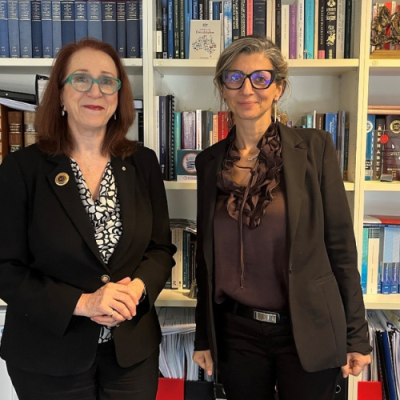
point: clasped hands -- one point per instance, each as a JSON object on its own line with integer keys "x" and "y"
{"x": 113, "y": 303}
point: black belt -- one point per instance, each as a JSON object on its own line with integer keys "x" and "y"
{"x": 270, "y": 317}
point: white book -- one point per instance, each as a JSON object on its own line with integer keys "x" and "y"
{"x": 300, "y": 29}
{"x": 373, "y": 260}
{"x": 268, "y": 21}
{"x": 176, "y": 273}
{"x": 273, "y": 21}
{"x": 227, "y": 22}
{"x": 340, "y": 20}
{"x": 199, "y": 130}
{"x": 205, "y": 39}
{"x": 285, "y": 31}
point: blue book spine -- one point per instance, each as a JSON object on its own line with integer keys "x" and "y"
{"x": 216, "y": 10}
{"x": 364, "y": 260}
{"x": 227, "y": 26}
{"x": 170, "y": 7}
{"x": 109, "y": 22}
{"x": 13, "y": 28}
{"x": 4, "y": 45}
{"x": 25, "y": 28}
{"x": 56, "y": 19}
{"x": 67, "y": 22}
{"x": 369, "y": 151}
{"x": 37, "y": 45}
{"x": 331, "y": 126}
{"x": 47, "y": 29}
{"x": 309, "y": 29}
{"x": 141, "y": 28}
{"x": 81, "y": 20}
{"x": 94, "y": 19}
{"x": 132, "y": 29}
{"x": 195, "y": 9}
{"x": 121, "y": 28}
{"x": 188, "y": 16}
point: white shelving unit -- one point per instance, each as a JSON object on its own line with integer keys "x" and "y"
{"x": 324, "y": 85}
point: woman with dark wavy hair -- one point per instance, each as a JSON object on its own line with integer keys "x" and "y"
{"x": 279, "y": 296}
{"x": 85, "y": 242}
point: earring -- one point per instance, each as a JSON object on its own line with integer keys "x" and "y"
{"x": 63, "y": 112}
{"x": 115, "y": 116}
{"x": 275, "y": 105}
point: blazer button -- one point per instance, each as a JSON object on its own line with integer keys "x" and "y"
{"x": 105, "y": 278}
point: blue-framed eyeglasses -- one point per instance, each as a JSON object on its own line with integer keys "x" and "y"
{"x": 259, "y": 79}
{"x": 84, "y": 82}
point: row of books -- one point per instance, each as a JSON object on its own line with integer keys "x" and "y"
{"x": 39, "y": 28}
{"x": 382, "y": 159}
{"x": 380, "y": 265}
{"x": 306, "y": 29}
{"x": 384, "y": 336}
{"x": 17, "y": 130}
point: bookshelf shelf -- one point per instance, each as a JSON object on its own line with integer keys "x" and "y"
{"x": 174, "y": 298}
{"x": 382, "y": 301}
{"x": 174, "y": 185}
{"x": 384, "y": 67}
{"x": 382, "y": 186}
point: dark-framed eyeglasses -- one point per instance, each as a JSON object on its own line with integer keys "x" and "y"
{"x": 260, "y": 79}
{"x": 84, "y": 82}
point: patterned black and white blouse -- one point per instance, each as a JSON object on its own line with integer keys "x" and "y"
{"x": 104, "y": 214}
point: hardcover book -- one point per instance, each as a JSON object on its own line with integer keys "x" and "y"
{"x": 13, "y": 28}
{"x": 56, "y": 26}
{"x": 95, "y": 19}
{"x": 4, "y": 45}
{"x": 25, "y": 28}
{"x": 81, "y": 22}
{"x": 205, "y": 39}
{"x": 109, "y": 22}
{"x": 330, "y": 29}
{"x": 37, "y": 45}
{"x": 391, "y": 147}
{"x": 47, "y": 29}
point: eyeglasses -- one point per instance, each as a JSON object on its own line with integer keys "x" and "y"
{"x": 260, "y": 79}
{"x": 84, "y": 82}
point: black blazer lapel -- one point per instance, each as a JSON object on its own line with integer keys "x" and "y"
{"x": 68, "y": 196}
{"x": 125, "y": 176}
{"x": 294, "y": 156}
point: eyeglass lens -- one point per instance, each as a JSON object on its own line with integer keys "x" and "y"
{"x": 258, "y": 79}
{"x": 83, "y": 83}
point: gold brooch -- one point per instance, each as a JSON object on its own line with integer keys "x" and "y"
{"x": 62, "y": 179}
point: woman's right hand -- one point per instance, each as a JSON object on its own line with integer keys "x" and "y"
{"x": 109, "y": 305}
{"x": 204, "y": 360}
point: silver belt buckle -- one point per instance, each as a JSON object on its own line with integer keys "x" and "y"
{"x": 265, "y": 317}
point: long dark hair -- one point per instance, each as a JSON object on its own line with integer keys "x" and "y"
{"x": 54, "y": 137}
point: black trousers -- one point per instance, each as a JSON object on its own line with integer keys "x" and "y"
{"x": 105, "y": 380}
{"x": 255, "y": 359}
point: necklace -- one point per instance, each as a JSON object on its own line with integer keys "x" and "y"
{"x": 252, "y": 158}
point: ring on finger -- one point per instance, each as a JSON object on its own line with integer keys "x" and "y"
{"x": 111, "y": 313}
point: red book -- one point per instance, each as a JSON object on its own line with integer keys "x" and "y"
{"x": 369, "y": 391}
{"x": 222, "y": 125}
{"x": 170, "y": 389}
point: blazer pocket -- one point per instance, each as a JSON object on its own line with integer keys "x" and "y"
{"x": 324, "y": 278}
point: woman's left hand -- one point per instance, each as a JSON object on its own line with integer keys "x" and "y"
{"x": 355, "y": 364}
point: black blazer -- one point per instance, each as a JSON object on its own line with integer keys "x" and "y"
{"x": 49, "y": 257}
{"x": 325, "y": 297}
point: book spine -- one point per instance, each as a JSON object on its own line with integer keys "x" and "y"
{"x": 47, "y": 29}
{"x": 278, "y": 24}
{"x": 259, "y": 17}
{"x": 67, "y": 22}
{"x": 249, "y": 17}
{"x": 81, "y": 21}
{"x": 268, "y": 20}
{"x": 309, "y": 29}
{"x": 121, "y": 28}
{"x": 201, "y": 9}
{"x": 4, "y": 45}
{"x": 177, "y": 138}
{"x": 56, "y": 25}
{"x": 171, "y": 136}
{"x": 215, "y": 10}
{"x": 13, "y": 28}
{"x": 195, "y": 6}
{"x": 188, "y": 18}
{"x": 235, "y": 20}
{"x": 316, "y": 3}
{"x": 330, "y": 29}
{"x": 170, "y": 34}
{"x": 176, "y": 28}
{"x": 15, "y": 140}
{"x": 37, "y": 43}
{"x": 293, "y": 31}
{"x": 227, "y": 24}
{"x": 369, "y": 147}
{"x": 321, "y": 29}
{"x": 164, "y": 14}
{"x": 331, "y": 126}
{"x": 364, "y": 261}
{"x": 199, "y": 132}
{"x": 158, "y": 28}
{"x": 285, "y": 31}
{"x": 162, "y": 133}
{"x": 347, "y": 29}
{"x": 25, "y": 28}
{"x": 133, "y": 29}
{"x": 373, "y": 260}
{"x": 141, "y": 28}
{"x": 109, "y": 22}
{"x": 242, "y": 18}
{"x": 300, "y": 29}
{"x": 377, "y": 158}
{"x": 391, "y": 149}
{"x": 95, "y": 19}
{"x": 188, "y": 124}
{"x": 341, "y": 138}
{"x": 340, "y": 30}
{"x": 182, "y": 29}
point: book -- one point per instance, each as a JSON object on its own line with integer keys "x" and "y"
{"x": 4, "y": 45}
{"x": 278, "y": 23}
{"x": 132, "y": 29}
{"x": 185, "y": 165}
{"x": 121, "y": 28}
{"x": 340, "y": 29}
{"x": 56, "y": 26}
{"x": 309, "y": 29}
{"x": 109, "y": 22}
{"x": 47, "y": 29}
{"x": 205, "y": 39}
{"x": 15, "y": 138}
{"x": 391, "y": 148}
{"x": 293, "y": 31}
{"x": 177, "y": 138}
{"x": 164, "y": 12}
{"x": 158, "y": 32}
{"x": 369, "y": 149}
{"x": 330, "y": 29}
{"x": 285, "y": 31}
{"x": 170, "y": 28}
{"x": 188, "y": 130}
{"x": 30, "y": 134}
{"x": 67, "y": 22}
{"x": 25, "y": 28}
{"x": 81, "y": 19}
{"x": 171, "y": 137}
{"x": 300, "y": 29}
{"x": 188, "y": 15}
{"x": 259, "y": 17}
{"x": 378, "y": 147}
{"x": 331, "y": 120}
{"x": 348, "y": 37}
{"x": 3, "y": 131}
{"x": 95, "y": 19}
{"x": 235, "y": 20}
{"x": 36, "y": 13}
{"x": 227, "y": 22}
{"x": 13, "y": 28}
